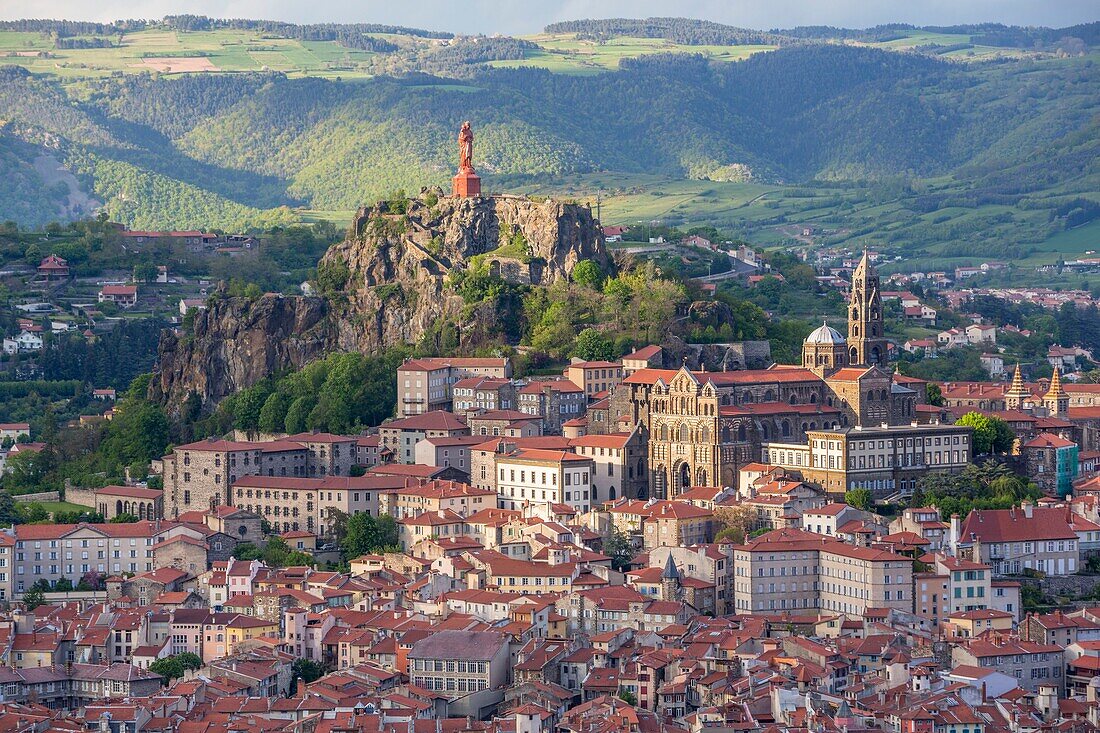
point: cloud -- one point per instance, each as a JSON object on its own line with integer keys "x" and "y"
{"x": 529, "y": 16}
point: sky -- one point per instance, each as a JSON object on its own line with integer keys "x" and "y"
{"x": 519, "y": 17}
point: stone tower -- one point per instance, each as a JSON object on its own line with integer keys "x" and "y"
{"x": 1056, "y": 400}
{"x": 1017, "y": 394}
{"x": 866, "y": 344}
{"x": 670, "y": 580}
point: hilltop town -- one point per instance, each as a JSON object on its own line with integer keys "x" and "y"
{"x": 630, "y": 543}
{"x": 755, "y": 389}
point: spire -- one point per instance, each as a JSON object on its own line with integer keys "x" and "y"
{"x": 1017, "y": 388}
{"x": 670, "y": 572}
{"x": 1055, "y": 392}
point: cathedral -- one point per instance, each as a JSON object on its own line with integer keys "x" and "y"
{"x": 702, "y": 427}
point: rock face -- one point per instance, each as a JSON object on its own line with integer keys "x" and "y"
{"x": 237, "y": 342}
{"x": 387, "y": 283}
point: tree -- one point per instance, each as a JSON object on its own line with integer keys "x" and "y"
{"x": 91, "y": 580}
{"x": 592, "y": 345}
{"x": 991, "y": 434}
{"x": 124, "y": 518}
{"x": 628, "y": 697}
{"x": 35, "y": 513}
{"x": 859, "y": 498}
{"x": 618, "y": 546}
{"x": 738, "y": 521}
{"x": 935, "y": 394}
{"x": 145, "y": 272}
{"x": 366, "y": 534}
{"x": 588, "y": 274}
{"x": 247, "y": 551}
{"x": 190, "y": 660}
{"x": 307, "y": 670}
{"x": 169, "y": 667}
{"x": 9, "y": 513}
{"x": 34, "y": 598}
{"x": 273, "y": 414}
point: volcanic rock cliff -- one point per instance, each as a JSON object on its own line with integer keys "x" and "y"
{"x": 386, "y": 283}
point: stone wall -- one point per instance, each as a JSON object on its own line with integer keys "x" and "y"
{"x": 41, "y": 496}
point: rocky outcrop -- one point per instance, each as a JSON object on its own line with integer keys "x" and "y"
{"x": 236, "y": 342}
{"x": 387, "y": 283}
{"x": 398, "y": 263}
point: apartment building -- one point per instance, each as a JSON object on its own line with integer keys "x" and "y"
{"x": 619, "y": 464}
{"x": 309, "y": 504}
{"x": 328, "y": 454}
{"x": 425, "y": 385}
{"x": 1031, "y": 663}
{"x": 413, "y": 499}
{"x": 460, "y": 664}
{"x": 447, "y": 452}
{"x": 54, "y": 551}
{"x": 538, "y": 478}
{"x": 483, "y": 457}
{"x": 556, "y": 401}
{"x": 884, "y": 459}
{"x": 793, "y": 569}
{"x": 483, "y": 393}
{"x": 401, "y": 436}
{"x": 924, "y": 522}
{"x": 595, "y": 377}
{"x": 1014, "y": 540}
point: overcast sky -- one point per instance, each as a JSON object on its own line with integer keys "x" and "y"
{"x": 529, "y": 16}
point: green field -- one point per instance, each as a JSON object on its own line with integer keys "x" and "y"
{"x": 564, "y": 53}
{"x": 917, "y": 38}
{"x": 62, "y": 506}
{"x": 186, "y": 52}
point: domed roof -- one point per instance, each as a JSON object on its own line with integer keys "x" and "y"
{"x": 825, "y": 335}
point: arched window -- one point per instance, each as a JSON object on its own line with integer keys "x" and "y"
{"x": 769, "y": 396}
{"x": 741, "y": 432}
{"x": 683, "y": 433}
{"x": 813, "y": 399}
{"x": 704, "y": 434}
{"x": 785, "y": 429}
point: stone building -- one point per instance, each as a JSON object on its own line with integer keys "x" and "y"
{"x": 310, "y": 504}
{"x": 198, "y": 476}
{"x": 111, "y": 501}
{"x": 556, "y": 401}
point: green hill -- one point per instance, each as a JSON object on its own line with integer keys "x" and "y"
{"x": 235, "y": 151}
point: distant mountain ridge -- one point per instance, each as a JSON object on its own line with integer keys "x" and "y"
{"x": 234, "y": 151}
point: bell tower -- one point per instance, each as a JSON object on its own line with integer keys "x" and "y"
{"x": 867, "y": 345}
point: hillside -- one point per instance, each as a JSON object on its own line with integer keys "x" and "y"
{"x": 431, "y": 270}
{"x": 237, "y": 151}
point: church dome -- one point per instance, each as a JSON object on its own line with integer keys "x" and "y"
{"x": 825, "y": 335}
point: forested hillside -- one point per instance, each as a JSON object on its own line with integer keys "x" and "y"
{"x": 234, "y": 151}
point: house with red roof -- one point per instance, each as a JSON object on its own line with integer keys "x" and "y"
{"x": 53, "y": 268}
{"x": 1023, "y": 538}
{"x": 124, "y": 296}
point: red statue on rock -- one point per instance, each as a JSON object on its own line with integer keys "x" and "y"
{"x": 467, "y": 183}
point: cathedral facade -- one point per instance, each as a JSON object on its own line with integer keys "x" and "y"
{"x": 701, "y": 427}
